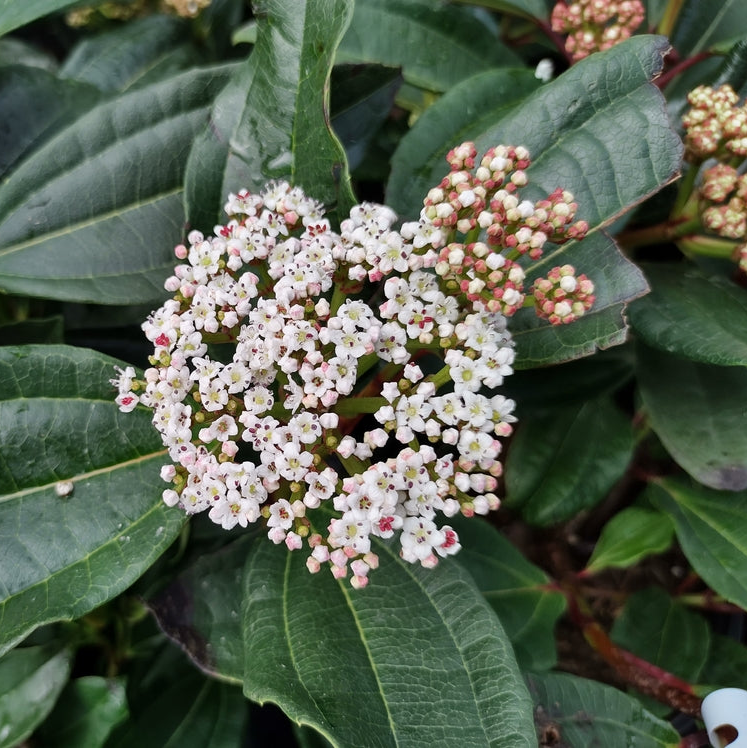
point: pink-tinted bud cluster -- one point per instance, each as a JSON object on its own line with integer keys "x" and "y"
{"x": 563, "y": 296}
{"x": 724, "y": 212}
{"x": 716, "y": 128}
{"x": 716, "y": 125}
{"x": 477, "y": 197}
{"x": 595, "y": 25}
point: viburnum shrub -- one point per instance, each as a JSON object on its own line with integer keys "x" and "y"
{"x": 283, "y": 335}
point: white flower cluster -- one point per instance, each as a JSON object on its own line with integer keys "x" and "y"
{"x": 288, "y": 373}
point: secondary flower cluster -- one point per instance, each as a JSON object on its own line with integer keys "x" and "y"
{"x": 340, "y": 386}
{"x": 595, "y": 25}
{"x": 716, "y": 127}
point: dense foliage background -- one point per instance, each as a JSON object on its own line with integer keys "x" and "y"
{"x": 603, "y": 600}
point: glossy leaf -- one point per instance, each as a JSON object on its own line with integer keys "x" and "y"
{"x": 707, "y": 438}
{"x": 178, "y": 707}
{"x": 699, "y": 28}
{"x": 272, "y": 119}
{"x": 517, "y": 590}
{"x": 599, "y": 130}
{"x": 42, "y": 104}
{"x": 62, "y": 556}
{"x": 663, "y": 632}
{"x": 726, "y": 664}
{"x": 132, "y": 54}
{"x": 86, "y": 712}
{"x": 733, "y": 69}
{"x": 201, "y": 610}
{"x": 567, "y": 460}
{"x": 306, "y": 638}
{"x": 581, "y": 713}
{"x": 711, "y": 528}
{"x": 93, "y": 215}
{"x": 31, "y": 679}
{"x": 632, "y": 534}
{"x": 14, "y": 14}
{"x": 692, "y": 315}
{"x": 301, "y": 632}
{"x": 435, "y": 45}
{"x": 361, "y": 101}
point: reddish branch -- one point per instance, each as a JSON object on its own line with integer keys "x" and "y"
{"x": 664, "y": 79}
{"x": 642, "y": 675}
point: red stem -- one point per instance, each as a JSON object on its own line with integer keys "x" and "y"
{"x": 675, "y": 70}
{"x": 644, "y": 676}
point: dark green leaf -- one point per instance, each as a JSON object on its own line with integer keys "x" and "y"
{"x": 567, "y": 460}
{"x": 62, "y": 556}
{"x": 31, "y": 678}
{"x": 727, "y": 663}
{"x": 692, "y": 315}
{"x": 410, "y": 643}
{"x": 518, "y": 591}
{"x": 93, "y": 214}
{"x": 272, "y": 119}
{"x": 201, "y": 610}
{"x": 697, "y": 410}
{"x": 733, "y": 69}
{"x": 14, "y": 14}
{"x": 87, "y": 711}
{"x": 436, "y": 45}
{"x": 42, "y": 104}
{"x": 632, "y": 534}
{"x": 181, "y": 708}
{"x": 600, "y": 130}
{"x": 711, "y": 528}
{"x": 362, "y": 97}
{"x": 142, "y": 50}
{"x": 701, "y": 27}
{"x": 586, "y": 713}
{"x": 663, "y": 632}
{"x": 428, "y": 659}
